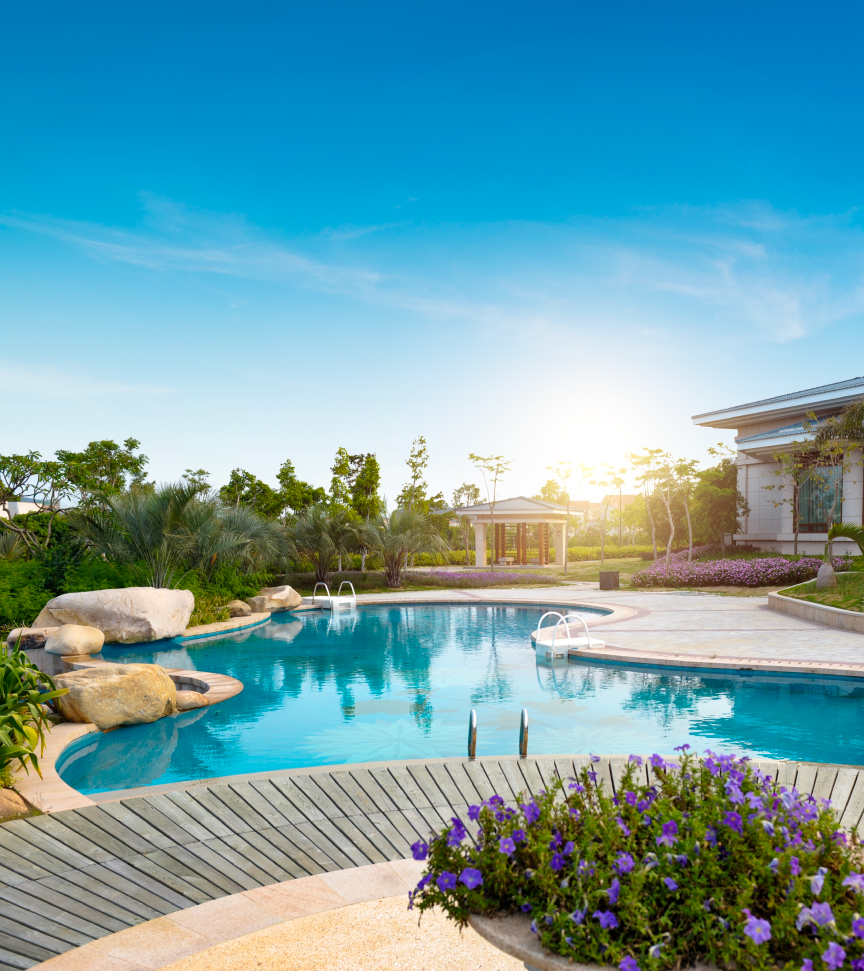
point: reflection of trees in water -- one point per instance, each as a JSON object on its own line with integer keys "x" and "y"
{"x": 666, "y": 698}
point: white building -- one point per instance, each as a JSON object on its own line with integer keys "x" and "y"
{"x": 771, "y": 425}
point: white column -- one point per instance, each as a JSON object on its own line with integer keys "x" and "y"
{"x": 480, "y": 545}
{"x": 559, "y": 546}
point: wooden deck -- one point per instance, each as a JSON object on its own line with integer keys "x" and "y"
{"x": 73, "y": 876}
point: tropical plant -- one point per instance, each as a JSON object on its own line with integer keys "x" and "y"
{"x": 24, "y": 689}
{"x": 492, "y": 468}
{"x": 11, "y": 547}
{"x": 220, "y": 535}
{"x": 708, "y": 861}
{"x": 321, "y": 536}
{"x": 844, "y": 531}
{"x": 400, "y": 535}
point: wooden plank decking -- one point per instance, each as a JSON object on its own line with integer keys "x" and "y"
{"x": 74, "y": 876}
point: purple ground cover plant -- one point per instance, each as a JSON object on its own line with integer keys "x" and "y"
{"x": 765, "y": 571}
{"x": 716, "y": 863}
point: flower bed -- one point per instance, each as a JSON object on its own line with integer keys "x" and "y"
{"x": 480, "y": 578}
{"x": 762, "y": 572}
{"x": 711, "y": 862}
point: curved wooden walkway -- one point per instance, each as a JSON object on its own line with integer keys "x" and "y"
{"x": 74, "y": 876}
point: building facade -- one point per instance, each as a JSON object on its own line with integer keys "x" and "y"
{"x": 770, "y": 426}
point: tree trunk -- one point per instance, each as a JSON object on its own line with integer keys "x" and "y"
{"x": 566, "y": 524}
{"x": 363, "y": 561}
{"x": 653, "y": 529}
{"x": 689, "y": 531}
{"x": 671, "y": 532}
{"x": 603, "y": 536}
{"x": 795, "y": 517}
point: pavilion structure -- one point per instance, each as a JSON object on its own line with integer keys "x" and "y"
{"x": 518, "y": 525}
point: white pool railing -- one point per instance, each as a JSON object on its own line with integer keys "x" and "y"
{"x": 571, "y": 644}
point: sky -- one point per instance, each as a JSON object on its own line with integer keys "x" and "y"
{"x": 554, "y": 232}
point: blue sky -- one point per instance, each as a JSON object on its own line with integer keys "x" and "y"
{"x": 248, "y": 232}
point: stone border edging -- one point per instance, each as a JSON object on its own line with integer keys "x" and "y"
{"x": 223, "y": 627}
{"x": 157, "y": 943}
{"x": 819, "y": 613}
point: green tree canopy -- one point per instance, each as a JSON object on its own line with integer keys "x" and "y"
{"x": 104, "y": 467}
{"x": 717, "y": 503}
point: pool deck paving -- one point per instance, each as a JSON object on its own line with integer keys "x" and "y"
{"x": 137, "y": 882}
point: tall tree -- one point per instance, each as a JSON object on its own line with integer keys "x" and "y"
{"x": 647, "y": 468}
{"x": 364, "y": 495}
{"x": 29, "y": 478}
{"x": 297, "y": 494}
{"x": 493, "y": 468}
{"x": 612, "y": 478}
{"x": 245, "y": 489}
{"x": 104, "y": 467}
{"x": 414, "y": 492}
{"x": 466, "y": 495}
{"x": 569, "y": 482}
{"x": 717, "y": 503}
{"x": 684, "y": 471}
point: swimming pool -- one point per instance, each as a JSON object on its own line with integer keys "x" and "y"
{"x": 398, "y": 682}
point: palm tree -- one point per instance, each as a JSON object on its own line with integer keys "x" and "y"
{"x": 400, "y": 535}
{"x": 163, "y": 533}
{"x": 321, "y": 535}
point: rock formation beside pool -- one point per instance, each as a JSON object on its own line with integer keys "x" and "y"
{"x": 109, "y": 695}
{"x": 238, "y": 609}
{"x": 126, "y": 616}
{"x": 29, "y": 638}
{"x": 189, "y": 700}
{"x": 74, "y": 640}
{"x": 275, "y": 599}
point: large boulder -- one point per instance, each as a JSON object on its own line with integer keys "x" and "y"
{"x": 29, "y": 638}
{"x": 73, "y": 639}
{"x": 190, "y": 700}
{"x": 125, "y": 616}
{"x": 275, "y": 599}
{"x": 109, "y": 695}
{"x": 236, "y": 608}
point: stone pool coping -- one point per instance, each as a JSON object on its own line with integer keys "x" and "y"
{"x": 158, "y": 943}
{"x": 221, "y": 627}
{"x": 851, "y": 620}
{"x": 50, "y": 794}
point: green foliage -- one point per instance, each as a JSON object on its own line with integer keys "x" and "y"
{"x": 712, "y": 862}
{"x": 553, "y": 491}
{"x": 404, "y": 533}
{"x": 24, "y": 689}
{"x": 717, "y": 503}
{"x": 244, "y": 489}
{"x": 297, "y": 495}
{"x": 103, "y": 467}
{"x": 22, "y": 593}
{"x": 847, "y": 595}
{"x": 320, "y": 535}
{"x": 846, "y": 530}
{"x": 44, "y": 483}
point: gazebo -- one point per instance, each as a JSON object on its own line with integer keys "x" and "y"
{"x": 518, "y": 524}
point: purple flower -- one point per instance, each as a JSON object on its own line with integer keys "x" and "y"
{"x": 519, "y": 836}
{"x": 526, "y": 908}
{"x": 578, "y": 916}
{"x": 734, "y": 822}
{"x": 557, "y": 861}
{"x": 625, "y": 829}
{"x": 420, "y": 850}
{"x": 669, "y": 834}
{"x": 821, "y": 914}
{"x": 834, "y": 956}
{"x": 635, "y": 758}
{"x": 670, "y": 883}
{"x": 624, "y": 863}
{"x": 817, "y": 882}
{"x": 630, "y": 798}
{"x": 474, "y": 813}
{"x": 568, "y": 847}
{"x": 807, "y": 965}
{"x": 855, "y": 881}
{"x": 613, "y": 891}
{"x": 657, "y": 761}
{"x": 470, "y": 877}
{"x": 457, "y": 832}
{"x": 858, "y": 927}
{"x": 606, "y": 917}
{"x": 629, "y": 964}
{"x": 654, "y": 951}
{"x": 759, "y": 931}
{"x": 794, "y": 866}
{"x": 446, "y": 881}
{"x": 506, "y": 846}
{"x": 532, "y": 812}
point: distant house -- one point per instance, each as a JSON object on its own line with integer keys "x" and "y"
{"x": 768, "y": 426}
{"x": 16, "y": 508}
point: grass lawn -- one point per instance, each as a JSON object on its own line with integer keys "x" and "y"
{"x": 847, "y": 595}
{"x": 374, "y": 582}
{"x": 590, "y": 569}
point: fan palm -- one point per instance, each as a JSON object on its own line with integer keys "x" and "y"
{"x": 321, "y": 536}
{"x": 221, "y": 534}
{"x": 400, "y": 535}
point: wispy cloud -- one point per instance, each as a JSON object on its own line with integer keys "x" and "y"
{"x": 49, "y": 382}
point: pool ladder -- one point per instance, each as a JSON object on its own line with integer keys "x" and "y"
{"x": 523, "y": 735}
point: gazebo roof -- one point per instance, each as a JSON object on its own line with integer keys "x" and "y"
{"x": 520, "y": 505}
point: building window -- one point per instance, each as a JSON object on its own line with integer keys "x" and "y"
{"x": 817, "y": 499}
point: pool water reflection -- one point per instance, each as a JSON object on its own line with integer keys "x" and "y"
{"x": 388, "y": 683}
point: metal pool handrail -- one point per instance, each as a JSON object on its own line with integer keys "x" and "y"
{"x": 562, "y": 619}
{"x": 321, "y": 583}
{"x": 350, "y": 584}
{"x": 472, "y": 735}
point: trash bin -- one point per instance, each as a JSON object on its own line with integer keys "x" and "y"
{"x": 609, "y": 580}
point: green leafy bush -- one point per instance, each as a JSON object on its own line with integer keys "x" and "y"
{"x": 24, "y": 689}
{"x": 709, "y": 862}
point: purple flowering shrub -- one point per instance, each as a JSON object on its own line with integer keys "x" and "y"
{"x": 479, "y": 578}
{"x": 765, "y": 571}
{"x": 709, "y": 862}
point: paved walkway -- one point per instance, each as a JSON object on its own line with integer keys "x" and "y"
{"x": 73, "y": 877}
{"x": 684, "y": 623}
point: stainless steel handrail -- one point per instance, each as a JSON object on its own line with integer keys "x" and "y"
{"x": 472, "y": 735}
{"x": 523, "y": 734}
{"x": 321, "y": 583}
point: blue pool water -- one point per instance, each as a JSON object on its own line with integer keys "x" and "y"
{"x": 399, "y": 682}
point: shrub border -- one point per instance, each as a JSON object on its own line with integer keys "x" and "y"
{"x": 850, "y": 620}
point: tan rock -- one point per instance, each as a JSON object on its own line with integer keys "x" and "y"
{"x": 285, "y": 595}
{"x": 109, "y": 695}
{"x": 189, "y": 700}
{"x": 238, "y": 609}
{"x": 12, "y": 806}
{"x": 29, "y": 638}
{"x": 126, "y": 616}
{"x": 73, "y": 639}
